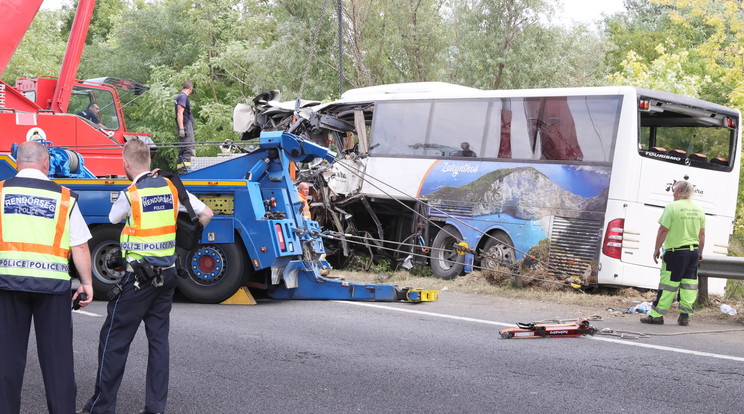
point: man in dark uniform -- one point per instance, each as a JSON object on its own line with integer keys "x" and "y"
{"x": 682, "y": 232}
{"x": 40, "y": 224}
{"x": 148, "y": 243}
{"x": 91, "y": 114}
{"x": 185, "y": 123}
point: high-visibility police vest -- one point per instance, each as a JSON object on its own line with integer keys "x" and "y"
{"x": 305, "y": 207}
{"x": 150, "y": 231}
{"x": 35, "y": 235}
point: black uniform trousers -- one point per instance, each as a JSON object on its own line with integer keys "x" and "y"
{"x": 52, "y": 315}
{"x": 149, "y": 304}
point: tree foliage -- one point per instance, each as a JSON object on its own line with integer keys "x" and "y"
{"x": 665, "y": 73}
{"x": 41, "y": 51}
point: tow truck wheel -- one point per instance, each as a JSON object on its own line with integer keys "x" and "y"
{"x": 215, "y": 272}
{"x": 104, "y": 245}
{"x": 446, "y": 263}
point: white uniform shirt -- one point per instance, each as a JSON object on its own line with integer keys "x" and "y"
{"x": 121, "y": 208}
{"x": 79, "y": 232}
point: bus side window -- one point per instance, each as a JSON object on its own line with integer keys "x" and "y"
{"x": 505, "y": 142}
{"x": 551, "y": 121}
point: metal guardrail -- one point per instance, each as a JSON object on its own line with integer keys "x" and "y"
{"x": 722, "y": 267}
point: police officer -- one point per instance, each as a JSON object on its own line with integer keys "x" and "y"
{"x": 682, "y": 232}
{"x": 150, "y": 206}
{"x": 40, "y": 225}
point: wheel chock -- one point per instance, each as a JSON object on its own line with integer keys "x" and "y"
{"x": 418, "y": 295}
{"x": 241, "y": 297}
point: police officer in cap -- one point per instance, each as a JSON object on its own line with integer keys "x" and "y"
{"x": 40, "y": 224}
{"x": 150, "y": 206}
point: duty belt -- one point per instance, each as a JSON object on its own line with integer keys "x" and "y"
{"x": 686, "y": 247}
{"x": 130, "y": 269}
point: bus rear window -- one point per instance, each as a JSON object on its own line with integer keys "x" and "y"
{"x": 690, "y": 136}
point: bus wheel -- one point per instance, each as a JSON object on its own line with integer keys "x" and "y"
{"x": 215, "y": 272}
{"x": 499, "y": 252}
{"x": 445, "y": 262}
{"x": 103, "y": 246}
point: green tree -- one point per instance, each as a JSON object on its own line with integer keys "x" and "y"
{"x": 157, "y": 34}
{"x": 508, "y": 44}
{"x": 665, "y": 73}
{"x": 722, "y": 49}
{"x": 41, "y": 50}
{"x": 106, "y": 14}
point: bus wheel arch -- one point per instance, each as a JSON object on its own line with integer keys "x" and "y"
{"x": 445, "y": 262}
{"x": 498, "y": 251}
{"x": 497, "y": 245}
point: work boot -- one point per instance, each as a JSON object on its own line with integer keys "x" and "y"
{"x": 684, "y": 319}
{"x": 653, "y": 321}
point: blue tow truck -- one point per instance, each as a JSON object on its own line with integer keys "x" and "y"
{"x": 257, "y": 237}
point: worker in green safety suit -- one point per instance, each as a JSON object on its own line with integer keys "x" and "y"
{"x": 682, "y": 232}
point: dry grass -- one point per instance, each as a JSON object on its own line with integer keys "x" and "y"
{"x": 601, "y": 300}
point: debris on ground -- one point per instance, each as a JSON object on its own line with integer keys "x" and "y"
{"x": 643, "y": 307}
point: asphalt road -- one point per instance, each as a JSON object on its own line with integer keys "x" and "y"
{"x": 441, "y": 357}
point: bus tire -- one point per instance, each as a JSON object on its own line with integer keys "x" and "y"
{"x": 446, "y": 263}
{"x": 215, "y": 272}
{"x": 499, "y": 250}
{"x": 103, "y": 245}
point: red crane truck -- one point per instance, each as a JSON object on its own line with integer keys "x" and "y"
{"x": 45, "y": 107}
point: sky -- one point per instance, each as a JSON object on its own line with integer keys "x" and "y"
{"x": 584, "y": 11}
{"x": 51, "y": 4}
{"x": 588, "y": 11}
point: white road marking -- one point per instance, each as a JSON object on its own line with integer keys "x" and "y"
{"x": 82, "y": 312}
{"x": 666, "y": 348}
{"x": 510, "y": 325}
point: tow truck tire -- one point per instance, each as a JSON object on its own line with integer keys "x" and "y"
{"x": 215, "y": 272}
{"x": 103, "y": 245}
{"x": 446, "y": 263}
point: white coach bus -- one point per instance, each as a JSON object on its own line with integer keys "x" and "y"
{"x": 583, "y": 172}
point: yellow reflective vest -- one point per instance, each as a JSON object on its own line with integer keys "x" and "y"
{"x": 151, "y": 227}
{"x": 305, "y": 206}
{"x": 35, "y": 235}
